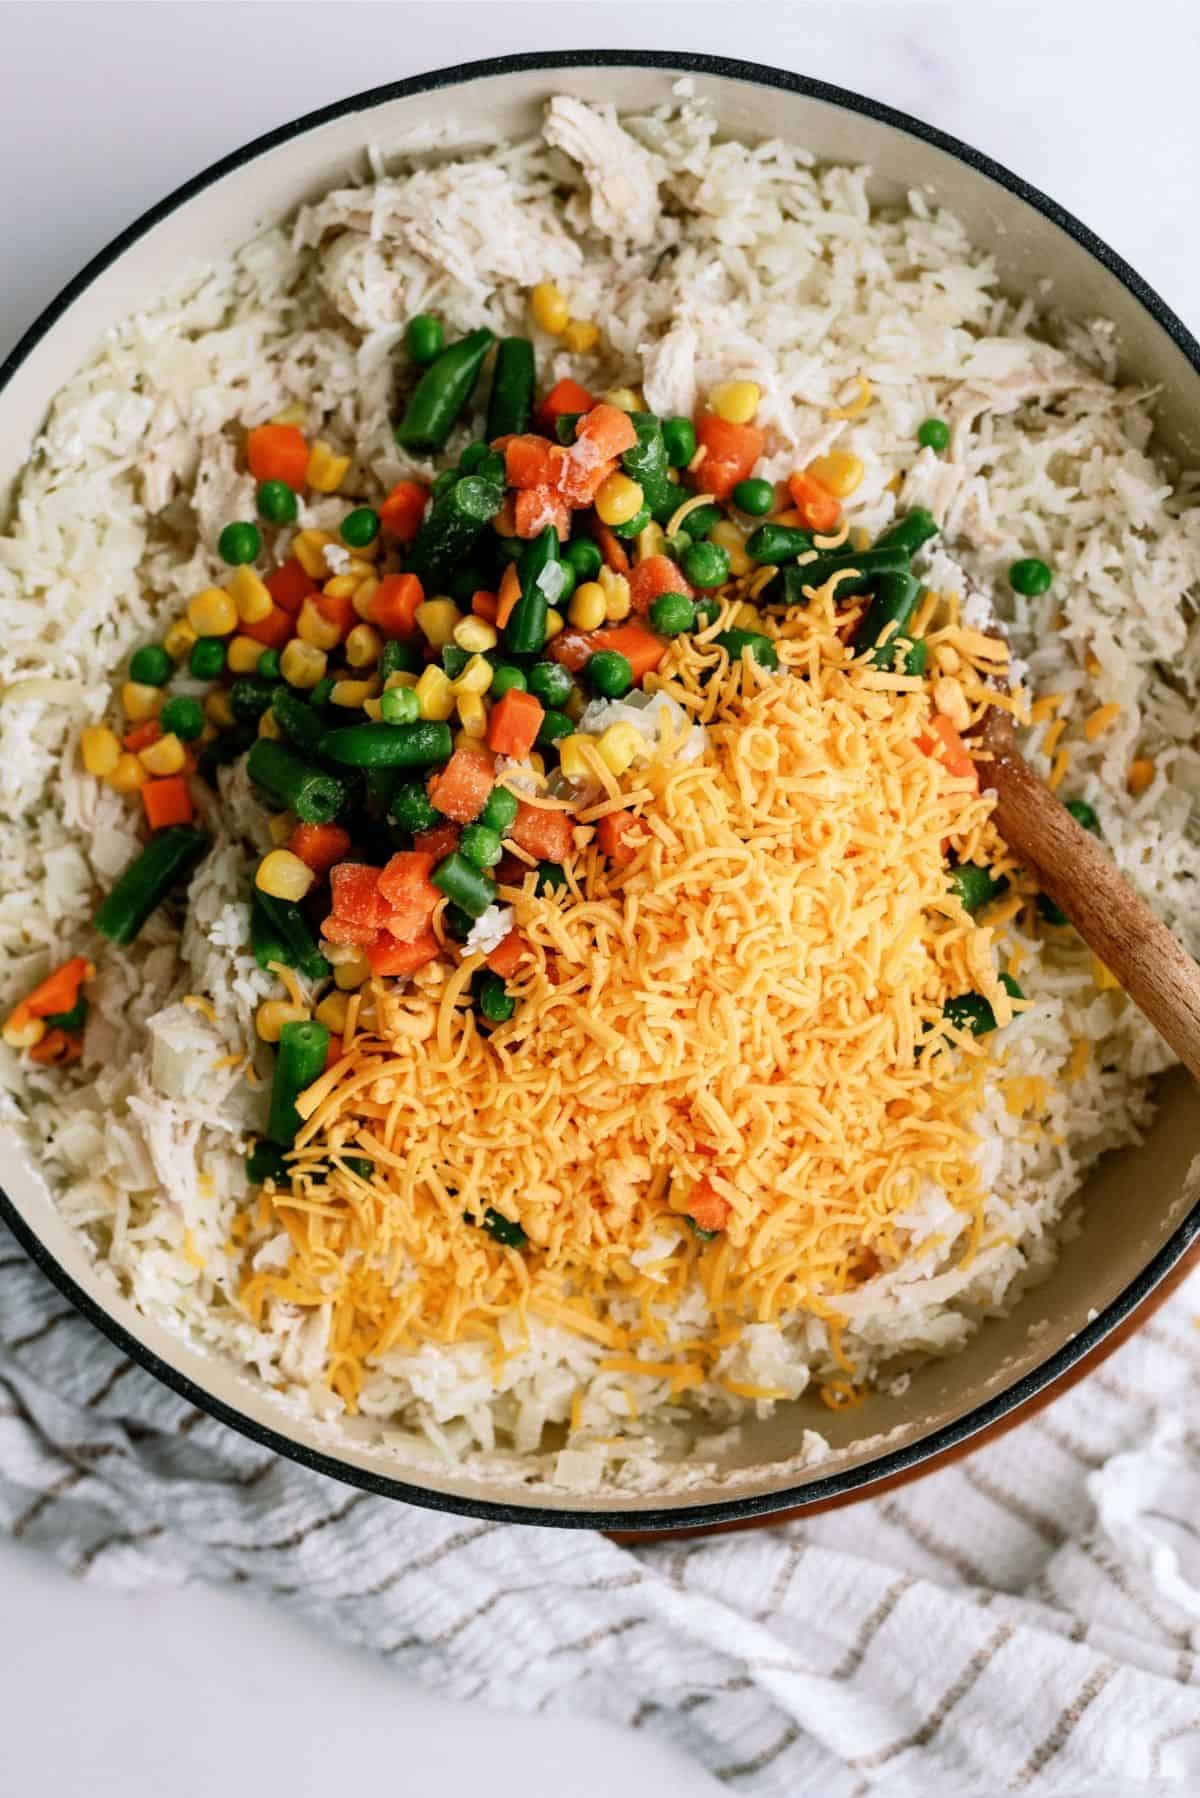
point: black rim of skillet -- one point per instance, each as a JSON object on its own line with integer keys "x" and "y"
{"x": 814, "y": 1491}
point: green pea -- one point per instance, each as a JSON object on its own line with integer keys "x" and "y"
{"x": 277, "y": 503}
{"x": 497, "y": 1005}
{"x": 411, "y": 807}
{"x": 583, "y": 557}
{"x": 506, "y": 677}
{"x": 320, "y": 694}
{"x": 448, "y": 478}
{"x": 267, "y": 664}
{"x": 550, "y": 877}
{"x": 609, "y": 673}
{"x": 934, "y": 434}
{"x": 707, "y": 612}
{"x": 1084, "y": 814}
{"x": 399, "y": 706}
{"x": 423, "y": 338}
{"x": 207, "y": 658}
{"x": 182, "y": 717}
{"x": 238, "y": 543}
{"x": 151, "y": 665}
{"x": 633, "y": 527}
{"x": 701, "y": 521}
{"x": 706, "y": 565}
{"x": 360, "y": 527}
{"x": 550, "y": 683}
{"x": 1030, "y": 576}
{"x": 501, "y": 809}
{"x": 754, "y": 497}
{"x": 553, "y": 726}
{"x": 481, "y": 845}
{"x": 672, "y": 613}
{"x": 679, "y": 435}
{"x": 568, "y": 580}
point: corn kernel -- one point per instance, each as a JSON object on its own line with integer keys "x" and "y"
{"x": 364, "y": 593}
{"x": 101, "y": 749}
{"x": 350, "y": 971}
{"x": 401, "y": 678}
{"x": 294, "y": 414}
{"x": 437, "y": 618}
{"x": 573, "y": 705}
{"x": 302, "y": 664}
{"x": 1104, "y": 978}
{"x": 326, "y": 469}
{"x": 212, "y": 613}
{"x": 373, "y": 710}
{"x": 746, "y": 618}
{"x": 308, "y": 547}
{"x": 473, "y": 713}
{"x": 839, "y": 473}
{"x": 250, "y": 595}
{"x": 735, "y": 401}
{"x": 364, "y": 646}
{"x": 949, "y": 698}
{"x": 476, "y": 677}
{"x": 269, "y": 726}
{"x": 128, "y": 775}
{"x": 273, "y": 1014}
{"x": 354, "y": 692}
{"x": 313, "y": 628}
{"x": 476, "y": 635}
{"x": 341, "y": 586}
{"x": 549, "y": 307}
{"x": 462, "y": 739}
{"x": 282, "y": 875}
{"x": 619, "y": 746}
{"x": 650, "y": 542}
{"x": 618, "y": 500}
{"x": 332, "y": 1012}
{"x": 139, "y": 701}
{"x": 536, "y": 764}
{"x": 179, "y": 640}
{"x": 1141, "y": 773}
{"x": 280, "y": 826}
{"x": 166, "y": 756}
{"x": 555, "y": 622}
{"x": 217, "y": 708}
{"x": 21, "y": 1031}
{"x": 587, "y": 608}
{"x": 580, "y": 336}
{"x": 733, "y": 543}
{"x": 617, "y": 600}
{"x": 625, "y": 399}
{"x": 435, "y": 697}
{"x": 242, "y": 655}
{"x": 571, "y": 758}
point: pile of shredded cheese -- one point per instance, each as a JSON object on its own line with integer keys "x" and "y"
{"x": 755, "y": 1000}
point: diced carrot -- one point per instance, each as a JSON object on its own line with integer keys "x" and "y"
{"x": 410, "y": 894}
{"x": 439, "y": 842}
{"x": 611, "y": 547}
{"x": 504, "y": 958}
{"x": 530, "y": 461}
{"x": 142, "y": 735}
{"x": 539, "y": 506}
{"x": 510, "y": 593}
{"x": 620, "y": 836}
{"x": 571, "y": 649}
{"x": 707, "y": 1209}
{"x": 460, "y": 790}
{"x": 583, "y": 473}
{"x": 167, "y": 801}
{"x": 655, "y": 576}
{"x": 289, "y": 585}
{"x": 344, "y": 930}
{"x": 273, "y": 631}
{"x": 403, "y": 509}
{"x": 818, "y": 508}
{"x": 548, "y": 835}
{"x": 732, "y": 451}
{"x": 59, "y": 990}
{"x": 334, "y": 1052}
{"x": 356, "y": 895}
{"x": 319, "y": 846}
{"x": 641, "y": 647}
{"x": 505, "y": 522}
{"x": 387, "y": 956}
{"x": 485, "y": 605}
{"x": 277, "y": 453}
{"x": 58, "y": 1049}
{"x": 338, "y": 611}
{"x": 513, "y": 724}
{"x": 502, "y": 443}
{"x": 564, "y": 396}
{"x": 949, "y": 748}
{"x": 394, "y": 604}
{"x": 608, "y": 429}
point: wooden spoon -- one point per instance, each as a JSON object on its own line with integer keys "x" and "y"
{"x": 1071, "y": 866}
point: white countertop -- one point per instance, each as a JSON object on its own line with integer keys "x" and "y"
{"x": 106, "y": 108}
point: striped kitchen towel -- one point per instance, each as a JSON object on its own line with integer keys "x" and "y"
{"x": 1026, "y": 1621}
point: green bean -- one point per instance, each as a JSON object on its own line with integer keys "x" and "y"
{"x": 510, "y": 404}
{"x": 564, "y": 426}
{"x": 379, "y": 745}
{"x": 917, "y": 659}
{"x": 399, "y": 658}
{"x": 525, "y": 632}
{"x": 778, "y": 543}
{"x": 464, "y": 885}
{"x": 909, "y": 532}
{"x": 787, "y": 588}
{"x": 314, "y": 795}
{"x": 279, "y": 931}
{"x": 266, "y": 1162}
{"x": 167, "y": 859}
{"x": 647, "y": 464}
{"x": 297, "y": 720}
{"x": 452, "y": 527}
{"x": 412, "y": 808}
{"x": 303, "y": 1048}
{"x": 971, "y": 1011}
{"x": 503, "y": 1229}
{"x": 760, "y": 647}
{"x": 493, "y": 998}
{"x": 975, "y": 886}
{"x": 1085, "y": 815}
{"x": 442, "y": 392}
{"x": 895, "y": 601}
{"x": 73, "y": 1020}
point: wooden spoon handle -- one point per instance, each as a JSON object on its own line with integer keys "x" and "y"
{"x": 1158, "y": 974}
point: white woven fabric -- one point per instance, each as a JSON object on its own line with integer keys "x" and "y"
{"x": 1025, "y": 1621}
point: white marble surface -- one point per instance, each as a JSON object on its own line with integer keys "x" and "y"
{"x": 106, "y": 108}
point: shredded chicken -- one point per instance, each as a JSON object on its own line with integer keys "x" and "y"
{"x": 623, "y": 177}
{"x": 669, "y": 371}
{"x": 221, "y": 491}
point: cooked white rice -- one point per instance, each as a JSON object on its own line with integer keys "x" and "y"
{"x": 703, "y": 261}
